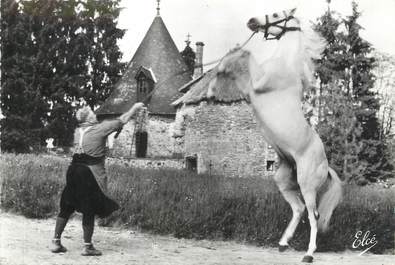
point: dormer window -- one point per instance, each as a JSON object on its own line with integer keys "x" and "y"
{"x": 142, "y": 84}
{"x": 145, "y": 83}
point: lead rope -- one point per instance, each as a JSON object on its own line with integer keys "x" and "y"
{"x": 146, "y": 99}
{"x": 220, "y": 59}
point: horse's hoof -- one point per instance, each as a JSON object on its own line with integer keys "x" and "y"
{"x": 307, "y": 259}
{"x": 282, "y": 248}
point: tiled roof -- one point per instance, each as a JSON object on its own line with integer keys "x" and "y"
{"x": 226, "y": 90}
{"x": 159, "y": 53}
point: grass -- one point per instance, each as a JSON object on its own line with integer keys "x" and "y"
{"x": 199, "y": 206}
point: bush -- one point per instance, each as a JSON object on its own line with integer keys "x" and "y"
{"x": 199, "y": 206}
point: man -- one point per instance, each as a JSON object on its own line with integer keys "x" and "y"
{"x": 86, "y": 178}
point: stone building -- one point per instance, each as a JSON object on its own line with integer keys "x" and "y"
{"x": 154, "y": 75}
{"x": 219, "y": 135}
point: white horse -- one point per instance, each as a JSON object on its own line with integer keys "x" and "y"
{"x": 275, "y": 90}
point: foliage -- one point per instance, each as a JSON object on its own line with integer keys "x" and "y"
{"x": 339, "y": 130}
{"x": 199, "y": 206}
{"x": 347, "y": 105}
{"x": 385, "y": 82}
{"x": 189, "y": 58}
{"x": 56, "y": 55}
{"x": 21, "y": 103}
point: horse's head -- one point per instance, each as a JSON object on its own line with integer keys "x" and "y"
{"x": 275, "y": 24}
{"x": 232, "y": 70}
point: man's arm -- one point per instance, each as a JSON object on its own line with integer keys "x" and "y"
{"x": 130, "y": 113}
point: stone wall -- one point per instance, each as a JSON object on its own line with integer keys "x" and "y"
{"x": 122, "y": 146}
{"x": 226, "y": 140}
{"x": 148, "y": 163}
{"x": 160, "y": 141}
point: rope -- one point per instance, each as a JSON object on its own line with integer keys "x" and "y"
{"x": 220, "y": 59}
{"x": 146, "y": 99}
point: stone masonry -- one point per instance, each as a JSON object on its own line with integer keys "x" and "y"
{"x": 225, "y": 139}
{"x": 160, "y": 142}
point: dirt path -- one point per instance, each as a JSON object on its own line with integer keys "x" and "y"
{"x": 26, "y": 242}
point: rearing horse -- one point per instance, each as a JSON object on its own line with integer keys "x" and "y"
{"x": 275, "y": 90}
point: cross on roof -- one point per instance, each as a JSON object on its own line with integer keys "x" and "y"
{"x": 188, "y": 41}
{"x": 158, "y": 8}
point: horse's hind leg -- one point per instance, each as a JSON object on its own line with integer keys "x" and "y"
{"x": 290, "y": 191}
{"x": 310, "y": 178}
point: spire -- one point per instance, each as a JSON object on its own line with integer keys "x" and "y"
{"x": 158, "y": 8}
{"x": 188, "y": 41}
{"x": 158, "y": 52}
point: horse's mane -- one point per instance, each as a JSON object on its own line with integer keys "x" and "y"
{"x": 310, "y": 47}
{"x": 313, "y": 44}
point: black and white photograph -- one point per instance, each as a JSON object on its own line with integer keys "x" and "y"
{"x": 197, "y": 132}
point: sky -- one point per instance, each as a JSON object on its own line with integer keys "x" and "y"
{"x": 221, "y": 24}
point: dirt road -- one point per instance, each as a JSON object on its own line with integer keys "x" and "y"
{"x": 26, "y": 242}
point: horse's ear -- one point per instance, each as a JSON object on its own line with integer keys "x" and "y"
{"x": 293, "y": 11}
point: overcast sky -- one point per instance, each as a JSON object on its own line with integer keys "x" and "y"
{"x": 221, "y": 24}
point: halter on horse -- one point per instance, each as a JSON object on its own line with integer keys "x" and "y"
{"x": 275, "y": 90}
{"x": 255, "y": 26}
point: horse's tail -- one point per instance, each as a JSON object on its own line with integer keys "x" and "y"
{"x": 329, "y": 200}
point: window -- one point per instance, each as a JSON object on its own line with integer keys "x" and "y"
{"x": 191, "y": 163}
{"x": 145, "y": 83}
{"x": 142, "y": 87}
{"x": 270, "y": 165}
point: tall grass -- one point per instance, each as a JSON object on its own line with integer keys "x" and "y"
{"x": 30, "y": 184}
{"x": 199, "y": 206}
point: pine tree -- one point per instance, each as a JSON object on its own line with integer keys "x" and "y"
{"x": 361, "y": 83}
{"x": 56, "y": 55}
{"x": 189, "y": 57}
{"x": 21, "y": 103}
{"x": 336, "y": 120}
{"x": 347, "y": 105}
{"x": 99, "y": 20}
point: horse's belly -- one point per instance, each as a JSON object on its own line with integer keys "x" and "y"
{"x": 283, "y": 122}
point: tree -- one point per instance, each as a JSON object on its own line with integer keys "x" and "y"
{"x": 56, "y": 55}
{"x": 337, "y": 123}
{"x": 361, "y": 83}
{"x": 99, "y": 20}
{"x": 21, "y": 103}
{"x": 189, "y": 57}
{"x": 347, "y": 105}
{"x": 385, "y": 82}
